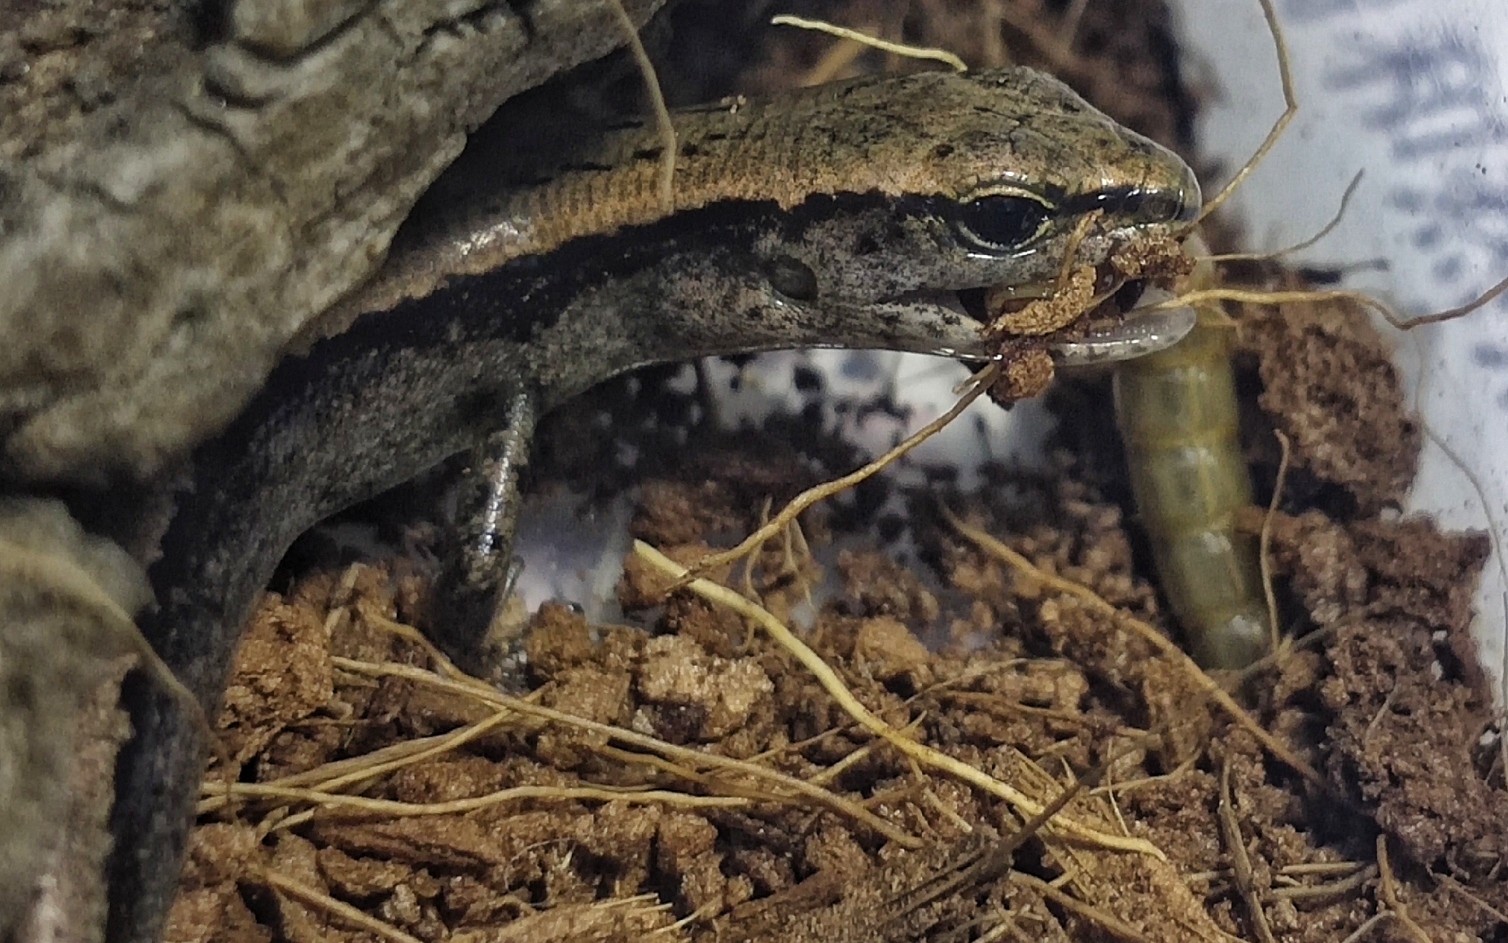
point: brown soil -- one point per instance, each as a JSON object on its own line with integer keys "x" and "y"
{"x": 686, "y": 778}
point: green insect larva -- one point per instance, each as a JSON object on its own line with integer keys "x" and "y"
{"x": 1178, "y": 419}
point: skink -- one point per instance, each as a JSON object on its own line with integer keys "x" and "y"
{"x": 849, "y": 215}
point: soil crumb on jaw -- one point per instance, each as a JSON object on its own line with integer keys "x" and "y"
{"x": 1022, "y": 331}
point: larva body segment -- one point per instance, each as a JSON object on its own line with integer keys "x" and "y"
{"x": 1178, "y": 418}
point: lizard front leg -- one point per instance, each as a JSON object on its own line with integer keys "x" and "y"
{"x": 478, "y": 572}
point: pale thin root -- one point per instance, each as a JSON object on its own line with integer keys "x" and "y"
{"x": 831, "y": 773}
{"x": 1115, "y": 807}
{"x": 1325, "y": 230}
{"x": 1354, "y": 881}
{"x": 1451, "y": 884}
{"x": 1235, "y": 849}
{"x": 991, "y": 862}
{"x": 987, "y": 701}
{"x": 795, "y": 746}
{"x": 978, "y": 384}
{"x": 701, "y": 913}
{"x": 999, "y": 931}
{"x": 804, "y": 552}
{"x": 71, "y": 580}
{"x": 159, "y": 671}
{"x": 1148, "y": 633}
{"x": 1284, "y": 650}
{"x": 452, "y": 742}
{"x": 1131, "y": 785}
{"x": 391, "y": 808}
{"x": 485, "y": 694}
{"x": 663, "y": 125}
{"x": 1387, "y": 886}
{"x": 946, "y": 811}
{"x": 1261, "y": 297}
{"x": 273, "y": 823}
{"x": 443, "y": 665}
{"x": 361, "y": 772}
{"x": 765, "y": 506}
{"x": 789, "y": 566}
{"x": 340, "y": 910}
{"x": 1323, "y": 867}
{"x": 1360, "y": 932}
{"x": 1071, "y": 249}
{"x": 1264, "y": 539}
{"x": 1094, "y": 915}
{"x": 884, "y": 45}
{"x": 628, "y": 758}
{"x": 318, "y": 775}
{"x": 836, "y": 689}
{"x": 1290, "y": 108}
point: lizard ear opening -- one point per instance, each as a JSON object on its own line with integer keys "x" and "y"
{"x": 791, "y": 277}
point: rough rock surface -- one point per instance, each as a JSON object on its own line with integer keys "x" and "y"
{"x": 180, "y": 192}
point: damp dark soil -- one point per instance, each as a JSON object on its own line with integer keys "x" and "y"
{"x": 680, "y": 775}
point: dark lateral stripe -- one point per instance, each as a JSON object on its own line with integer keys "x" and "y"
{"x": 1135, "y": 202}
{"x": 492, "y": 304}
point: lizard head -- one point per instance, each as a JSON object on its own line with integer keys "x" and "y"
{"x": 874, "y": 213}
{"x": 898, "y": 200}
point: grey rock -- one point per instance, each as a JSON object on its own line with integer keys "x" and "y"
{"x": 161, "y": 245}
{"x": 66, "y": 601}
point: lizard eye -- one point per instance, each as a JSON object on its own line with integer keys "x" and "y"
{"x": 999, "y": 223}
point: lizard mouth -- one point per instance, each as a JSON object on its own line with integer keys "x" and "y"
{"x": 1112, "y": 331}
{"x": 1129, "y": 335}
